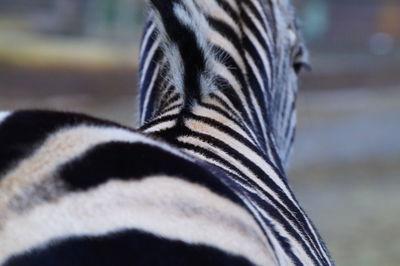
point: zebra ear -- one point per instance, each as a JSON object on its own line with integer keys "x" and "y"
{"x": 300, "y": 59}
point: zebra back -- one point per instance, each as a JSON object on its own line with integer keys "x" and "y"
{"x": 76, "y": 190}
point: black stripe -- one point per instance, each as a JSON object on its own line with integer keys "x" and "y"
{"x": 228, "y": 131}
{"x": 234, "y": 69}
{"x": 226, "y": 88}
{"x": 233, "y": 112}
{"x": 149, "y": 75}
{"x": 158, "y": 121}
{"x": 135, "y": 161}
{"x": 231, "y": 117}
{"x": 150, "y": 42}
{"x": 255, "y": 196}
{"x": 170, "y": 108}
{"x": 127, "y": 248}
{"x": 300, "y": 218}
{"x": 23, "y": 131}
{"x": 228, "y": 9}
{"x": 226, "y": 31}
{"x": 191, "y": 54}
{"x": 284, "y": 242}
{"x": 255, "y": 13}
{"x": 167, "y": 103}
{"x": 249, "y": 46}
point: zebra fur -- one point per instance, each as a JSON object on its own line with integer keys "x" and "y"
{"x": 205, "y": 123}
{"x": 55, "y": 185}
{"x": 200, "y": 182}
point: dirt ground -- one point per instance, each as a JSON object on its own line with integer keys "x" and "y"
{"x": 346, "y": 164}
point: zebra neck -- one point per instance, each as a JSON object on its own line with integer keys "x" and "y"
{"x": 216, "y": 60}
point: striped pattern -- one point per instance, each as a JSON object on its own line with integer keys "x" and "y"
{"x": 84, "y": 177}
{"x": 226, "y": 96}
{"x": 201, "y": 182}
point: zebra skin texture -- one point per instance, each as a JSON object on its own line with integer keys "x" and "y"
{"x": 200, "y": 182}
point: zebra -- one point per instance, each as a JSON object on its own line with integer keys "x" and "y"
{"x": 201, "y": 181}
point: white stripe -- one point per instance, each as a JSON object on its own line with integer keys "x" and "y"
{"x": 280, "y": 253}
{"x": 234, "y": 111}
{"x": 222, "y": 154}
{"x": 256, "y": 209}
{"x": 231, "y": 79}
{"x": 189, "y": 212}
{"x": 197, "y": 142}
{"x": 295, "y": 245}
{"x": 248, "y": 174}
{"x": 236, "y": 118}
{"x": 242, "y": 182}
{"x": 204, "y": 158}
{"x": 161, "y": 126}
{"x": 261, "y": 51}
{"x": 254, "y": 69}
{"x": 171, "y": 52}
{"x": 213, "y": 9}
{"x": 257, "y": 108}
{"x": 258, "y": 24}
{"x": 149, "y": 59}
{"x": 146, "y": 38}
{"x": 233, "y": 4}
{"x": 261, "y": 10}
{"x": 190, "y": 16}
{"x": 173, "y": 111}
{"x": 4, "y": 115}
{"x": 195, "y": 20}
{"x": 167, "y": 99}
{"x": 217, "y": 39}
{"x": 218, "y": 117}
{"x": 201, "y": 127}
{"x": 148, "y": 94}
{"x": 58, "y": 149}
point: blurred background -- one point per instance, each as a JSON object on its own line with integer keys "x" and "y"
{"x": 81, "y": 55}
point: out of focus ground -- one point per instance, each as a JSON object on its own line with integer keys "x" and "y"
{"x": 346, "y": 171}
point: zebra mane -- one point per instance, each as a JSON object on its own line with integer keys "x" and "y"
{"x": 208, "y": 46}
{"x": 184, "y": 38}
